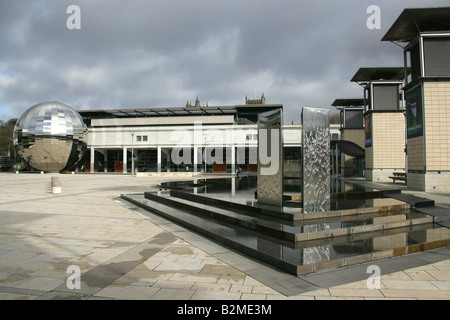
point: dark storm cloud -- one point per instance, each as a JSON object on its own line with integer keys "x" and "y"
{"x": 161, "y": 53}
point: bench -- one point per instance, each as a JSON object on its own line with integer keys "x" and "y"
{"x": 401, "y": 176}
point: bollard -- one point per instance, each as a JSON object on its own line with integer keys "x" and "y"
{"x": 56, "y": 185}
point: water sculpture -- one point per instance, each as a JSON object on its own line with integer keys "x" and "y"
{"x": 316, "y": 159}
{"x": 270, "y": 158}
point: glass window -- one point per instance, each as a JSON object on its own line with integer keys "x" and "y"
{"x": 144, "y": 138}
{"x": 138, "y": 138}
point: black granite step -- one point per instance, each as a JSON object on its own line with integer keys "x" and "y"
{"x": 414, "y": 201}
{"x": 304, "y": 256}
{"x": 293, "y": 230}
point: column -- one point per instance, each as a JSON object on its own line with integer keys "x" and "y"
{"x": 105, "y": 162}
{"x": 124, "y": 159}
{"x": 92, "y": 169}
{"x": 158, "y": 159}
{"x": 233, "y": 159}
{"x": 270, "y": 168}
{"x": 195, "y": 150}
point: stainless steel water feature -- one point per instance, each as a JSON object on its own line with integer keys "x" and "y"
{"x": 50, "y": 137}
{"x": 316, "y": 175}
{"x": 316, "y": 159}
{"x": 270, "y": 158}
{"x": 352, "y": 225}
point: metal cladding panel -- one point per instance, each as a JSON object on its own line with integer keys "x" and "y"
{"x": 386, "y": 97}
{"x": 316, "y": 159}
{"x": 437, "y": 62}
{"x": 270, "y": 158}
{"x": 50, "y": 137}
{"x": 353, "y": 119}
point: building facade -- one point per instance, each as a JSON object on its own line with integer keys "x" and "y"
{"x": 424, "y": 35}
{"x": 384, "y": 122}
{"x": 189, "y": 140}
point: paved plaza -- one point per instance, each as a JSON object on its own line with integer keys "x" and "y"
{"x": 123, "y": 252}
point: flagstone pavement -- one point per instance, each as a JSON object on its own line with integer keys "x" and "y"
{"x": 123, "y": 252}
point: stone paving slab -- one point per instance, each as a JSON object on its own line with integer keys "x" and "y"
{"x": 123, "y": 254}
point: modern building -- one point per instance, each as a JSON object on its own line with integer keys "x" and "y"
{"x": 424, "y": 35}
{"x": 352, "y": 130}
{"x": 191, "y": 139}
{"x": 384, "y": 121}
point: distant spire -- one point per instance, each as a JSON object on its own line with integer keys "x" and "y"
{"x": 255, "y": 101}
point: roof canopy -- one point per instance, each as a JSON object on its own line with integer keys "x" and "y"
{"x": 348, "y": 103}
{"x": 174, "y": 111}
{"x": 411, "y": 22}
{"x": 349, "y": 148}
{"x": 381, "y": 73}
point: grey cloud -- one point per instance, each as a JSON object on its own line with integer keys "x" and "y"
{"x": 155, "y": 53}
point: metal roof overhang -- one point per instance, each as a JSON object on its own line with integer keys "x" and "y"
{"x": 379, "y": 73}
{"x": 411, "y": 22}
{"x": 349, "y": 148}
{"x": 348, "y": 103}
{"x": 158, "y": 112}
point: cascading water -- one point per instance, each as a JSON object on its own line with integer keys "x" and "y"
{"x": 316, "y": 174}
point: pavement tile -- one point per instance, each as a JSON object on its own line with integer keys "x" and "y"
{"x": 220, "y": 269}
{"x": 127, "y": 292}
{"x": 211, "y": 286}
{"x": 317, "y": 293}
{"x": 442, "y": 285}
{"x": 41, "y": 283}
{"x": 283, "y": 297}
{"x": 411, "y": 284}
{"x": 241, "y": 288}
{"x": 232, "y": 279}
{"x": 194, "y": 277}
{"x": 16, "y": 296}
{"x": 170, "y": 284}
{"x": 253, "y": 296}
{"x": 396, "y": 276}
{"x": 440, "y": 274}
{"x": 173, "y": 294}
{"x": 179, "y": 267}
{"x": 358, "y": 293}
{"x": 264, "y": 290}
{"x": 12, "y": 280}
{"x": 214, "y": 295}
{"x": 418, "y": 294}
{"x": 419, "y": 275}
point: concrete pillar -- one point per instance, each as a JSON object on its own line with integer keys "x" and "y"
{"x": 195, "y": 150}
{"x": 233, "y": 159}
{"x": 92, "y": 167}
{"x": 124, "y": 159}
{"x": 158, "y": 159}
{"x": 105, "y": 162}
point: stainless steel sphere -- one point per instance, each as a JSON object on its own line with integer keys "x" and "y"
{"x": 50, "y": 137}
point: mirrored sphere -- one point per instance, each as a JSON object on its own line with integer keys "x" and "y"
{"x": 50, "y": 137}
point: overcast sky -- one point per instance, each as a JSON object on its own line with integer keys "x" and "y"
{"x": 161, "y": 53}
